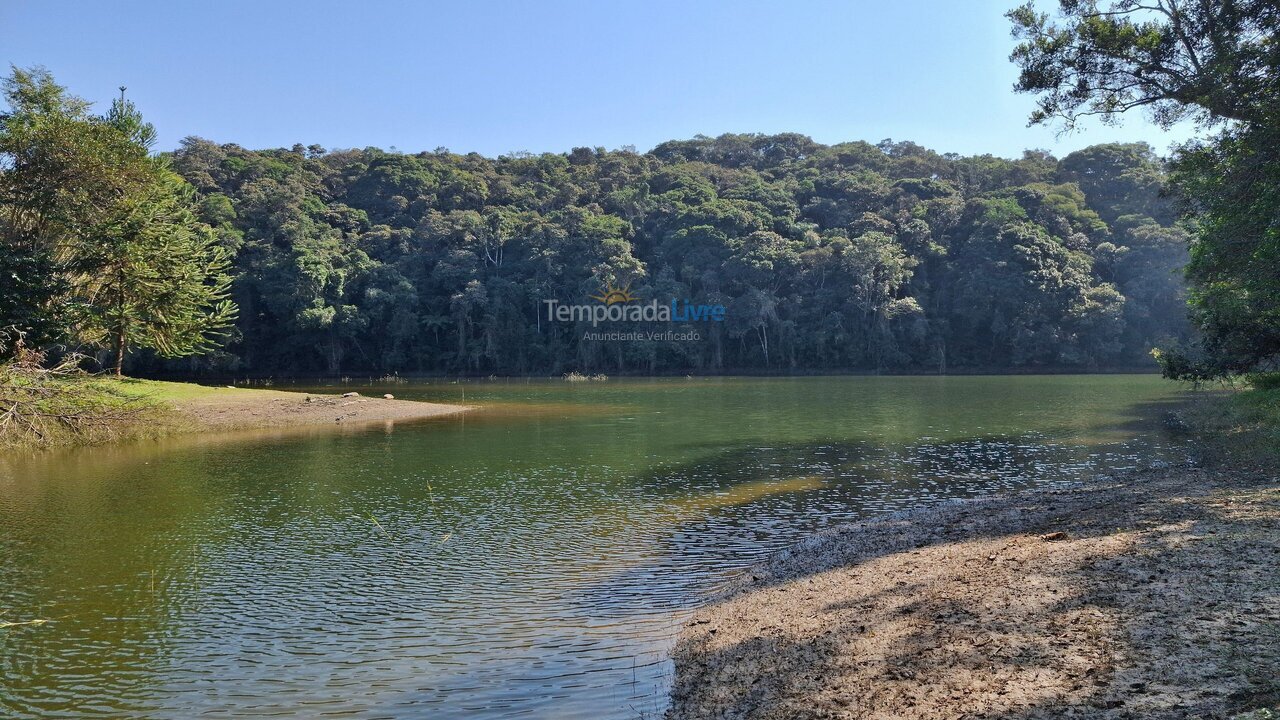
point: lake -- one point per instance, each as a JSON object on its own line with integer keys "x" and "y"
{"x": 531, "y": 559}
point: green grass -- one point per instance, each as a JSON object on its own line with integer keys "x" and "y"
{"x": 107, "y": 408}
{"x": 39, "y": 409}
{"x": 59, "y": 410}
{"x": 1242, "y": 425}
{"x": 167, "y": 392}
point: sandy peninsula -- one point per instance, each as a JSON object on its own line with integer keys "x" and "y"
{"x": 1156, "y": 595}
{"x": 243, "y": 408}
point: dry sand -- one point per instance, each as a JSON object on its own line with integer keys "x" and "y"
{"x": 1152, "y": 596}
{"x": 237, "y": 409}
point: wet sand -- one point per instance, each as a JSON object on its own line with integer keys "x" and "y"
{"x": 1152, "y": 595}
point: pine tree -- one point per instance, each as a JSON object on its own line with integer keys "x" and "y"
{"x": 100, "y": 239}
{"x": 160, "y": 278}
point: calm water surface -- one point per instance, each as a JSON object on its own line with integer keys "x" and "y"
{"x": 532, "y": 559}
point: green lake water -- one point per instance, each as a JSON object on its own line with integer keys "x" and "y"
{"x": 531, "y": 559}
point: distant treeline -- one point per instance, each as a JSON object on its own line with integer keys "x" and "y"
{"x": 858, "y": 257}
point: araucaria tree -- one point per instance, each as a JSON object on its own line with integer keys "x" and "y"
{"x": 100, "y": 241}
{"x": 160, "y": 278}
{"x": 1216, "y": 62}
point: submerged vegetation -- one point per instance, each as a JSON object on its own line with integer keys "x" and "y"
{"x": 575, "y": 376}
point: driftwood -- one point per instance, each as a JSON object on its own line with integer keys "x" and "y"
{"x": 38, "y": 401}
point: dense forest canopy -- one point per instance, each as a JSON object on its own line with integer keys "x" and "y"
{"x": 1217, "y": 64}
{"x": 881, "y": 257}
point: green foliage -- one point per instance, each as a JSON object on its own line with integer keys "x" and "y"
{"x": 100, "y": 241}
{"x": 160, "y": 279}
{"x": 1232, "y": 186}
{"x": 851, "y": 257}
{"x": 59, "y": 167}
{"x": 32, "y": 286}
{"x": 1120, "y": 180}
{"x": 854, "y": 256}
{"x": 1202, "y": 59}
{"x": 1264, "y": 381}
{"x": 1212, "y": 61}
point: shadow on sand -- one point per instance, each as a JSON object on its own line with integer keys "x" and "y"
{"x": 1160, "y": 601}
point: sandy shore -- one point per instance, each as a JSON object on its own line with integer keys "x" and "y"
{"x": 1152, "y": 596}
{"x": 242, "y": 408}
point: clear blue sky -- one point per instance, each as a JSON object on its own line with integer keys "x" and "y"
{"x": 548, "y": 75}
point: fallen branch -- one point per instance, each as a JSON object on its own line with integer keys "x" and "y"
{"x": 38, "y": 403}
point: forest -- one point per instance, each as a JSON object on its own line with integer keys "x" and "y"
{"x": 859, "y": 257}
{"x": 216, "y": 260}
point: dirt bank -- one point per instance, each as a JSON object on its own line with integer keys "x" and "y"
{"x": 1156, "y": 595}
{"x": 242, "y": 408}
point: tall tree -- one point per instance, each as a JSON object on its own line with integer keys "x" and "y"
{"x": 159, "y": 276}
{"x": 1217, "y": 62}
{"x": 1231, "y": 192}
{"x": 101, "y": 240}
{"x": 61, "y": 168}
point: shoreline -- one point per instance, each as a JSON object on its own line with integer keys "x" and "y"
{"x": 226, "y": 409}
{"x": 754, "y": 373}
{"x": 108, "y": 410}
{"x": 1152, "y": 594}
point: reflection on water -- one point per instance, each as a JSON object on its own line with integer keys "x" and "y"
{"x": 531, "y": 559}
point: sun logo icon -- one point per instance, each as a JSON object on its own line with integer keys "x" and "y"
{"x": 613, "y": 295}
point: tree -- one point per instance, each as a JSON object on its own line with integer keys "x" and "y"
{"x": 60, "y": 167}
{"x": 160, "y": 277}
{"x": 853, "y": 256}
{"x": 1212, "y": 61}
{"x": 101, "y": 239}
{"x": 1208, "y": 60}
{"x": 1231, "y": 191}
{"x": 1120, "y": 179}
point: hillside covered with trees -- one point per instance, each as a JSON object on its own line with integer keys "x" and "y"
{"x": 891, "y": 257}
{"x": 857, "y": 257}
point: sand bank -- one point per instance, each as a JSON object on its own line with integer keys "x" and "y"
{"x": 1153, "y": 595}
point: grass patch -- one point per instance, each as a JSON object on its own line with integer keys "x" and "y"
{"x": 58, "y": 404}
{"x": 40, "y": 409}
{"x": 167, "y": 392}
{"x": 1240, "y": 425}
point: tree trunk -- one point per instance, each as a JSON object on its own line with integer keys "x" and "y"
{"x": 120, "y": 347}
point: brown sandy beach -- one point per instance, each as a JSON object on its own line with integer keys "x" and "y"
{"x": 238, "y": 409}
{"x": 1155, "y": 595}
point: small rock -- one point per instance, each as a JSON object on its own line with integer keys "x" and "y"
{"x": 310, "y": 399}
{"x": 389, "y": 396}
{"x": 1054, "y": 536}
{"x": 351, "y": 394}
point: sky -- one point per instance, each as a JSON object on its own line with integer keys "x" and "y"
{"x": 549, "y": 75}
